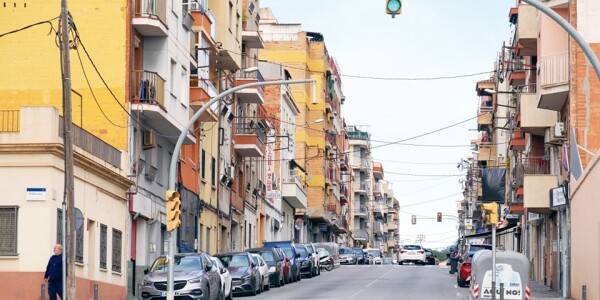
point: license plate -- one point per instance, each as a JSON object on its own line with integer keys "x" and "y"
{"x": 164, "y": 293}
{"x": 411, "y": 253}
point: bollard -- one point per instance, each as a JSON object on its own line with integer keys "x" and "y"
{"x": 43, "y": 295}
{"x": 95, "y": 291}
{"x": 583, "y": 292}
{"x": 501, "y": 290}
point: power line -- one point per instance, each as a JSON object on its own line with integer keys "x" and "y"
{"x": 430, "y": 200}
{"x": 414, "y": 163}
{"x": 425, "y": 175}
{"x": 427, "y": 188}
{"x": 52, "y": 29}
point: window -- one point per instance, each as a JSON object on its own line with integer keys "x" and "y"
{"x": 213, "y": 170}
{"x": 203, "y": 165}
{"x": 8, "y": 230}
{"x": 116, "y": 250}
{"x": 59, "y": 231}
{"x": 207, "y": 239}
{"x": 103, "y": 241}
{"x": 172, "y": 84}
{"x": 200, "y": 233}
{"x": 79, "y": 244}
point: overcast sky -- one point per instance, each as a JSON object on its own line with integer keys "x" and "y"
{"x": 431, "y": 38}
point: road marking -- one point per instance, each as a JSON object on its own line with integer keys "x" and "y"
{"x": 380, "y": 277}
{"x": 353, "y": 295}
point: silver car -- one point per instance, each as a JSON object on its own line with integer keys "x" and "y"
{"x": 194, "y": 276}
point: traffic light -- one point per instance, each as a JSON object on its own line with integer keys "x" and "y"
{"x": 172, "y": 205}
{"x": 491, "y": 212}
{"x": 439, "y": 216}
{"x": 393, "y": 7}
{"x": 414, "y": 219}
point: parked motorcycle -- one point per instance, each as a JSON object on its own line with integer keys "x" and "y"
{"x": 326, "y": 262}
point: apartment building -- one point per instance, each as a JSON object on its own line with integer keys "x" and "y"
{"x": 319, "y": 142}
{"x": 32, "y": 153}
{"x": 361, "y": 197}
{"x": 286, "y": 188}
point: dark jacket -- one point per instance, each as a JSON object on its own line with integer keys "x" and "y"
{"x": 54, "y": 268}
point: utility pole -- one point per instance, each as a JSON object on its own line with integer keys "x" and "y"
{"x": 68, "y": 148}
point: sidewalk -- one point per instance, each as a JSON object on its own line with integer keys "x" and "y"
{"x": 542, "y": 292}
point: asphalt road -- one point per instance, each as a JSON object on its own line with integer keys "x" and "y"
{"x": 373, "y": 282}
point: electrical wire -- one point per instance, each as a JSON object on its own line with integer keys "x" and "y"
{"x": 32, "y": 25}
{"x": 430, "y": 200}
{"x": 426, "y": 189}
{"x": 424, "y": 175}
{"x": 414, "y": 163}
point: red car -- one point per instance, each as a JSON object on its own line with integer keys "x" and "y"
{"x": 463, "y": 276}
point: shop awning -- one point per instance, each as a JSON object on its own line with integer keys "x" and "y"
{"x": 508, "y": 229}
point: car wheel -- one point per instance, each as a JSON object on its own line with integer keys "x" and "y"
{"x": 400, "y": 263}
{"x": 230, "y": 297}
{"x": 261, "y": 287}
{"x": 460, "y": 283}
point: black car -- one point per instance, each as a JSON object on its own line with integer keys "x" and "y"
{"x": 305, "y": 261}
{"x": 245, "y": 277}
{"x": 312, "y": 250}
{"x": 274, "y": 261}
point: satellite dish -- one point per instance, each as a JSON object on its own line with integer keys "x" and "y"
{"x": 78, "y": 218}
{"x": 298, "y": 224}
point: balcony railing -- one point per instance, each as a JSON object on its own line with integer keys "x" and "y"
{"x": 249, "y": 125}
{"x": 10, "y": 120}
{"x": 149, "y": 87}
{"x": 358, "y": 135}
{"x": 485, "y": 103}
{"x": 152, "y": 9}
{"x": 534, "y": 166}
{"x": 554, "y": 69}
{"x": 361, "y": 209}
{"x": 92, "y": 144}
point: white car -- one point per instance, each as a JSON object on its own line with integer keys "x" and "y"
{"x": 412, "y": 253}
{"x": 263, "y": 269}
{"x": 374, "y": 256}
{"x": 225, "y": 278}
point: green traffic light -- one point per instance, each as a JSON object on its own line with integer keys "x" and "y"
{"x": 394, "y": 6}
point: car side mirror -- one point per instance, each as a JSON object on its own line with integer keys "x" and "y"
{"x": 253, "y": 265}
{"x": 310, "y": 255}
{"x": 207, "y": 268}
{"x": 298, "y": 255}
{"x": 223, "y": 271}
{"x": 146, "y": 271}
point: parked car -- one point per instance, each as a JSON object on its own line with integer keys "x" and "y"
{"x": 347, "y": 256}
{"x": 289, "y": 248}
{"x": 429, "y": 257}
{"x": 245, "y": 276}
{"x": 310, "y": 247}
{"x": 263, "y": 269}
{"x": 194, "y": 277}
{"x": 274, "y": 261}
{"x": 375, "y": 255}
{"x": 287, "y": 266}
{"x": 225, "y": 278}
{"x": 305, "y": 260}
{"x": 359, "y": 255}
{"x": 411, "y": 253}
{"x": 463, "y": 276}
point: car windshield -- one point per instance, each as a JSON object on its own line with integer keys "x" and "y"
{"x": 181, "y": 263}
{"x": 255, "y": 259}
{"x": 310, "y": 248}
{"x": 475, "y": 248}
{"x": 345, "y": 251}
{"x": 375, "y": 252}
{"x": 288, "y": 251}
{"x": 412, "y": 247}
{"x": 217, "y": 263}
{"x": 267, "y": 256}
{"x": 235, "y": 261}
{"x": 357, "y": 251}
{"x": 302, "y": 252}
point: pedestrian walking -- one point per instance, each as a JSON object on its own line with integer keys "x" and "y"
{"x": 53, "y": 275}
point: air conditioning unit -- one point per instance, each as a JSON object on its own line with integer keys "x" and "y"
{"x": 559, "y": 130}
{"x": 555, "y": 135}
{"x": 148, "y": 139}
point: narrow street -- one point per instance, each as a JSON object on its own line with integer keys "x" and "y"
{"x": 374, "y": 282}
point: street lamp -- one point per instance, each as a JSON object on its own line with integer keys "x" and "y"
{"x": 177, "y": 150}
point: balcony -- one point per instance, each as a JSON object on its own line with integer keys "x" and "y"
{"x": 331, "y": 176}
{"x": 535, "y": 188}
{"x": 392, "y": 226}
{"x": 252, "y": 94}
{"x": 517, "y": 74}
{"x": 360, "y": 188}
{"x": 361, "y": 211}
{"x": 330, "y": 139}
{"x": 391, "y": 243}
{"x": 554, "y": 81}
{"x": 343, "y": 194}
{"x": 360, "y": 138}
{"x": 253, "y": 39}
{"x": 517, "y": 141}
{"x": 378, "y": 170}
{"x": 343, "y": 162}
{"x": 486, "y": 154}
{"x": 248, "y": 137}
{"x": 535, "y": 120}
{"x": 201, "y": 91}
{"x": 361, "y": 235}
{"x": 554, "y": 4}
{"x": 527, "y": 31}
{"x": 378, "y": 228}
{"x": 294, "y": 191}
{"x": 150, "y": 17}
{"x": 340, "y": 225}
{"x": 378, "y": 209}
{"x": 149, "y": 102}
